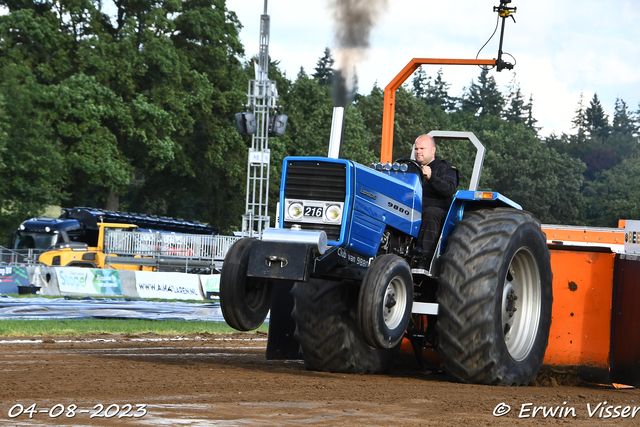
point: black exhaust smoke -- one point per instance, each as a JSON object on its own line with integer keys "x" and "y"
{"x": 354, "y": 20}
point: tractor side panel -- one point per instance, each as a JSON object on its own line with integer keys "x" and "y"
{"x": 581, "y": 326}
{"x": 366, "y": 234}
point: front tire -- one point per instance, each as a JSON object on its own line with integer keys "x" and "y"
{"x": 385, "y": 301}
{"x": 495, "y": 297}
{"x": 244, "y": 301}
{"x": 324, "y": 313}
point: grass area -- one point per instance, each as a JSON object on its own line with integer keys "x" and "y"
{"x": 72, "y": 327}
{"x": 32, "y": 296}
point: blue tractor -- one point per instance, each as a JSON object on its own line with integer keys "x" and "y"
{"x": 336, "y": 274}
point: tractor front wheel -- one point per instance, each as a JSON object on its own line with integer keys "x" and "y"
{"x": 244, "y": 301}
{"x": 385, "y": 301}
{"x": 495, "y": 298}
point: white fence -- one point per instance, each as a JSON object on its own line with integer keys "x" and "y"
{"x": 19, "y": 257}
{"x": 131, "y": 243}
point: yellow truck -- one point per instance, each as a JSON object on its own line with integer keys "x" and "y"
{"x": 76, "y": 254}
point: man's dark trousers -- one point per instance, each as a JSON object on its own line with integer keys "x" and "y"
{"x": 432, "y": 222}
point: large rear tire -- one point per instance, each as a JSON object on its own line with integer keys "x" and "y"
{"x": 385, "y": 301}
{"x": 324, "y": 313}
{"x": 495, "y": 297}
{"x": 244, "y": 301}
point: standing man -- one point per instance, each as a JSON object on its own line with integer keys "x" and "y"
{"x": 438, "y": 187}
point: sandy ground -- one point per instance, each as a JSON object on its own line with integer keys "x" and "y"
{"x": 226, "y": 381}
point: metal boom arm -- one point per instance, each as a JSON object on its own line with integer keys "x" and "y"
{"x": 389, "y": 110}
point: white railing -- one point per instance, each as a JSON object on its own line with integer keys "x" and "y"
{"x": 19, "y": 257}
{"x": 131, "y": 243}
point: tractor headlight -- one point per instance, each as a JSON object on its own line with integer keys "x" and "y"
{"x": 295, "y": 210}
{"x": 333, "y": 213}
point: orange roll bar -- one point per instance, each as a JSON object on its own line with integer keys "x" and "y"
{"x": 389, "y": 110}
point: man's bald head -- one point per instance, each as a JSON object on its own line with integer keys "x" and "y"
{"x": 425, "y": 149}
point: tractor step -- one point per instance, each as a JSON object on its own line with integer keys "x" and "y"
{"x": 425, "y": 308}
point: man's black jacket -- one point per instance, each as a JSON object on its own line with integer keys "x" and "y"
{"x": 438, "y": 190}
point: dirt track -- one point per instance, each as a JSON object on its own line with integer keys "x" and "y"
{"x": 225, "y": 380}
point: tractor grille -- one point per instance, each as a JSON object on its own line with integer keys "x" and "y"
{"x": 317, "y": 181}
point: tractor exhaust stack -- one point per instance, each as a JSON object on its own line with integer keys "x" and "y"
{"x": 337, "y": 131}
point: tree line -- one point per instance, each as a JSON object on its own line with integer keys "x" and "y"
{"x": 135, "y": 112}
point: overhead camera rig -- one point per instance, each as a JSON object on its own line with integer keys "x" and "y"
{"x": 504, "y": 12}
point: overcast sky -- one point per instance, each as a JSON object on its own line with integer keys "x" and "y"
{"x": 563, "y": 47}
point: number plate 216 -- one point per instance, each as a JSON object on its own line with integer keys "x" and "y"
{"x": 313, "y": 211}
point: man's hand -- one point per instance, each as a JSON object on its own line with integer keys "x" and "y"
{"x": 426, "y": 170}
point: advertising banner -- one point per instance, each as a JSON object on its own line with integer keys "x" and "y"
{"x": 168, "y": 285}
{"x": 11, "y": 278}
{"x": 89, "y": 281}
{"x": 210, "y": 284}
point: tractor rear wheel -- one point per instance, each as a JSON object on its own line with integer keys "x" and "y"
{"x": 324, "y": 313}
{"x": 495, "y": 297}
{"x": 244, "y": 301}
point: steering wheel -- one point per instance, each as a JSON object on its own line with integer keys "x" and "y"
{"x": 414, "y": 167}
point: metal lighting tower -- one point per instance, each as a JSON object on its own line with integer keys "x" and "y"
{"x": 262, "y": 96}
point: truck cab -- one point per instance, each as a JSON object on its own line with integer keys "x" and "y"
{"x": 43, "y": 233}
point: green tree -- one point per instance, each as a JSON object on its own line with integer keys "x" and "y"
{"x": 436, "y": 93}
{"x": 530, "y": 121}
{"x": 80, "y": 110}
{"x": 355, "y": 145}
{"x": 577, "y": 145}
{"x": 539, "y": 178}
{"x": 596, "y": 121}
{"x": 31, "y": 160}
{"x": 598, "y": 160}
{"x": 614, "y": 194}
{"x": 483, "y": 98}
{"x": 324, "y": 69}
{"x": 518, "y": 165}
{"x": 623, "y": 123}
{"x": 518, "y": 111}
{"x": 579, "y": 121}
{"x": 139, "y": 106}
{"x": 371, "y": 108}
{"x": 515, "y": 112}
{"x": 420, "y": 83}
{"x": 310, "y": 110}
{"x": 206, "y": 178}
